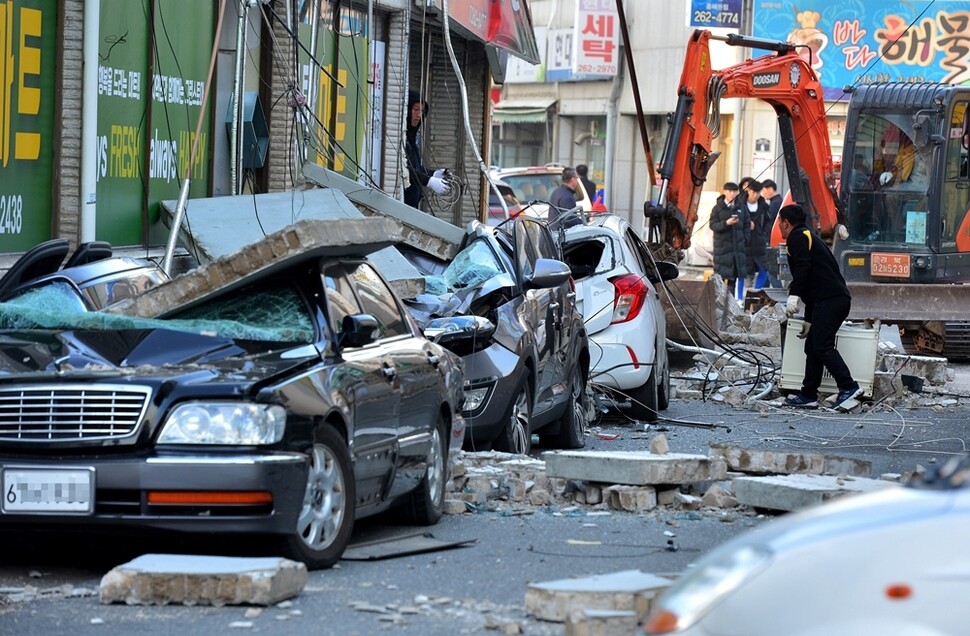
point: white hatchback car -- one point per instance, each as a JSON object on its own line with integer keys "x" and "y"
{"x": 533, "y": 186}
{"x": 616, "y": 289}
{"x": 890, "y": 563}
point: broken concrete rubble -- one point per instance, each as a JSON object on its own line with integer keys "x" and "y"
{"x": 767, "y": 461}
{"x": 161, "y": 579}
{"x": 633, "y": 468}
{"x": 793, "y": 492}
{"x": 629, "y": 590}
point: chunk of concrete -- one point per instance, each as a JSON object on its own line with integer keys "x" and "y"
{"x": 793, "y": 492}
{"x": 304, "y": 240}
{"x": 161, "y": 579}
{"x": 633, "y": 468}
{"x": 933, "y": 369}
{"x": 763, "y": 461}
{"x": 594, "y": 622}
{"x": 628, "y": 591}
{"x": 630, "y": 498}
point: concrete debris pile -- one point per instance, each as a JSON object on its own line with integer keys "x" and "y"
{"x": 641, "y": 481}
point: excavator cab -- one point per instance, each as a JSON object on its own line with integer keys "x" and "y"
{"x": 905, "y": 202}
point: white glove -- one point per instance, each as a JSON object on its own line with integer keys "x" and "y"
{"x": 791, "y": 308}
{"x": 438, "y": 185}
{"x": 885, "y": 178}
{"x": 804, "y": 332}
{"x": 440, "y": 172}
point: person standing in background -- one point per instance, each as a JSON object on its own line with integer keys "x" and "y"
{"x": 757, "y": 244}
{"x": 730, "y": 225}
{"x": 583, "y": 171}
{"x": 418, "y": 175}
{"x": 769, "y": 192}
{"x": 563, "y": 198}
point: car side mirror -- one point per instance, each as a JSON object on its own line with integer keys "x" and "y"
{"x": 667, "y": 271}
{"x": 547, "y": 273}
{"x": 359, "y": 330}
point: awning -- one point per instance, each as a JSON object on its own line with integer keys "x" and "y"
{"x": 513, "y": 111}
{"x": 504, "y": 25}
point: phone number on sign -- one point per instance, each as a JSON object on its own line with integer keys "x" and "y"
{"x": 597, "y": 69}
{"x": 11, "y": 214}
{"x": 721, "y": 17}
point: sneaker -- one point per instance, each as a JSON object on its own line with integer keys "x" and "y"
{"x": 847, "y": 394}
{"x": 800, "y": 401}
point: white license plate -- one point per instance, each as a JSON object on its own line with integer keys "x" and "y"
{"x": 29, "y": 490}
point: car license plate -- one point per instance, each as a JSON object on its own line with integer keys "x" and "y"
{"x": 894, "y": 265}
{"x": 30, "y": 490}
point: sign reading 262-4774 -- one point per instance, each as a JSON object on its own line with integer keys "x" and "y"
{"x": 27, "y": 71}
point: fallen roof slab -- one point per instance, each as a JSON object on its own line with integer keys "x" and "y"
{"x": 629, "y": 590}
{"x": 633, "y": 468}
{"x": 793, "y": 492}
{"x": 288, "y": 247}
{"x": 162, "y": 579}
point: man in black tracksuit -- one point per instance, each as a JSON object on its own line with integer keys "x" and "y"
{"x": 816, "y": 282}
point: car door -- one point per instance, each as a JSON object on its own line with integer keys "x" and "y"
{"x": 539, "y": 310}
{"x": 412, "y": 369}
{"x": 365, "y": 376}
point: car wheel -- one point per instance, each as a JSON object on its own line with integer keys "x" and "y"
{"x": 644, "y": 399}
{"x": 325, "y": 522}
{"x": 572, "y": 426}
{"x": 426, "y": 504}
{"x": 663, "y": 389}
{"x": 516, "y": 436}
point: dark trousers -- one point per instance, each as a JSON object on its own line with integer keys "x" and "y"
{"x": 826, "y": 318}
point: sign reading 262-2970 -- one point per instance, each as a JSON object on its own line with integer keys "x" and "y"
{"x": 27, "y": 46}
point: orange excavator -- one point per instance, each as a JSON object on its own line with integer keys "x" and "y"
{"x": 897, "y": 214}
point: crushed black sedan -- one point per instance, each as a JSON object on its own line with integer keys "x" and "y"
{"x": 507, "y": 304}
{"x": 286, "y": 403}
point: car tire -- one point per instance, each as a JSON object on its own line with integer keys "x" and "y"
{"x": 663, "y": 389}
{"x": 516, "y": 435}
{"x": 572, "y": 425}
{"x": 426, "y": 504}
{"x": 326, "y": 519}
{"x": 644, "y": 400}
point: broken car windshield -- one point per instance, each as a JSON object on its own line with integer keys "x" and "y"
{"x": 268, "y": 314}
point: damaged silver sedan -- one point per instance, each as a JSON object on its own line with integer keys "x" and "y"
{"x": 506, "y": 304}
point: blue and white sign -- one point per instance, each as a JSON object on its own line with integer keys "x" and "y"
{"x": 719, "y": 14}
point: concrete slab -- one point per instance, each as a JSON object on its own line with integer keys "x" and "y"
{"x": 593, "y": 622}
{"x": 793, "y": 492}
{"x": 628, "y": 591}
{"x": 633, "y": 468}
{"x": 161, "y": 579}
{"x": 304, "y": 240}
{"x": 765, "y": 461}
{"x": 224, "y": 225}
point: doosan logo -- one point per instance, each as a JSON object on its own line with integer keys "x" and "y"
{"x": 766, "y": 79}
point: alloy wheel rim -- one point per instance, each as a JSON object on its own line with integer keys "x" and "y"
{"x": 520, "y": 424}
{"x": 323, "y": 502}
{"x": 436, "y": 467}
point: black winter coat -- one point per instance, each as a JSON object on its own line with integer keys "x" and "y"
{"x": 815, "y": 272}
{"x": 757, "y": 246}
{"x": 730, "y": 261}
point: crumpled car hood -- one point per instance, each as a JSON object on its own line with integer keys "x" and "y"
{"x": 425, "y": 307}
{"x": 154, "y": 352}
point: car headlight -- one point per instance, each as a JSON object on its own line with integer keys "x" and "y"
{"x": 692, "y": 596}
{"x": 474, "y": 398}
{"x": 241, "y": 423}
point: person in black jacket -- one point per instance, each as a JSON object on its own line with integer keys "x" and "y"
{"x": 757, "y": 246}
{"x": 816, "y": 282}
{"x": 731, "y": 227}
{"x": 418, "y": 176}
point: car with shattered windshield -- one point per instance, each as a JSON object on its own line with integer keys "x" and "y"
{"x": 506, "y": 304}
{"x": 618, "y": 291}
{"x": 284, "y": 403}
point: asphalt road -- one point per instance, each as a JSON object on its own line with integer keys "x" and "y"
{"x": 48, "y": 585}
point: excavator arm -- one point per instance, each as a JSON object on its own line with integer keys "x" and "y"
{"x": 782, "y": 79}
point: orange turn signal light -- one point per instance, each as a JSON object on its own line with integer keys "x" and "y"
{"x": 661, "y": 623}
{"x": 204, "y": 497}
{"x": 899, "y": 591}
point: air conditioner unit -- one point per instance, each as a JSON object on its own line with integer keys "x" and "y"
{"x": 856, "y": 343}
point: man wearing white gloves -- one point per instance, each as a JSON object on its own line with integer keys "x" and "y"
{"x": 418, "y": 175}
{"x": 818, "y": 286}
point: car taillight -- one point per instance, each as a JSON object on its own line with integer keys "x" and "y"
{"x": 630, "y": 292}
